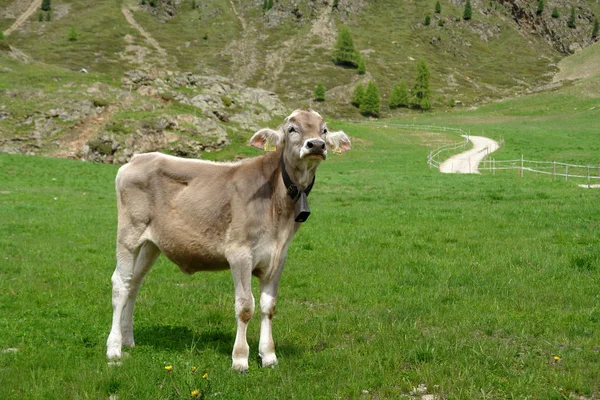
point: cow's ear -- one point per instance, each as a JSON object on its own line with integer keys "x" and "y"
{"x": 338, "y": 142}
{"x": 266, "y": 139}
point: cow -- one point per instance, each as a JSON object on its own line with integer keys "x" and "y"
{"x": 209, "y": 216}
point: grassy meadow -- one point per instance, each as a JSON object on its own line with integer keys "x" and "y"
{"x": 476, "y": 286}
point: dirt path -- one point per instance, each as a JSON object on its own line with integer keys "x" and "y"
{"x": 35, "y": 5}
{"x": 129, "y": 17}
{"x": 468, "y": 161}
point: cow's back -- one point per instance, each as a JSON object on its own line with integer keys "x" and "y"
{"x": 186, "y": 207}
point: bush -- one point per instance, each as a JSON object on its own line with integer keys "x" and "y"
{"x": 540, "y": 8}
{"x": 357, "y": 96}
{"x": 595, "y": 29}
{"x": 40, "y": 16}
{"x": 46, "y": 5}
{"x": 438, "y": 7}
{"x": 427, "y": 20}
{"x": 441, "y": 22}
{"x": 49, "y": 16}
{"x": 362, "y": 67}
{"x": 571, "y": 21}
{"x": 370, "y": 103}
{"x": 319, "y": 92}
{"x": 72, "y": 35}
{"x": 399, "y": 96}
{"x": 468, "y": 12}
{"x": 555, "y": 13}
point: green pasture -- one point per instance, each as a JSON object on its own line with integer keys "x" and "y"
{"x": 474, "y": 286}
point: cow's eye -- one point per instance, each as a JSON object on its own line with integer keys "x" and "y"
{"x": 325, "y": 131}
{"x": 291, "y": 129}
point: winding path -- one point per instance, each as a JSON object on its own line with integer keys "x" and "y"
{"x": 468, "y": 161}
{"x": 35, "y": 5}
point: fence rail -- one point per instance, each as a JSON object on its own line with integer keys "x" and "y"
{"x": 590, "y": 173}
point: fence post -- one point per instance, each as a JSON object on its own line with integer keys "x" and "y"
{"x": 588, "y": 176}
{"x": 566, "y": 173}
{"x": 554, "y": 170}
{"x": 522, "y": 172}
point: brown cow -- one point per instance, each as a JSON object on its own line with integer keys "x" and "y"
{"x": 207, "y": 216}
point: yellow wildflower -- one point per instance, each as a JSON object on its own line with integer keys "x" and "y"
{"x": 556, "y": 358}
{"x": 194, "y": 369}
{"x": 205, "y": 376}
{"x": 195, "y": 393}
{"x": 169, "y": 368}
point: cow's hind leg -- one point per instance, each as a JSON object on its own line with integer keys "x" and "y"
{"x": 143, "y": 263}
{"x": 131, "y": 268}
{"x": 241, "y": 269}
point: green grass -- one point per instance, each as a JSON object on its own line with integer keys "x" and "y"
{"x": 402, "y": 276}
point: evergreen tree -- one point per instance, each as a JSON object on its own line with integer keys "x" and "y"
{"x": 555, "y": 13}
{"x": 357, "y": 96}
{"x": 595, "y": 29}
{"x": 319, "y": 92}
{"x": 344, "y": 52}
{"x": 335, "y": 5}
{"x": 571, "y": 21}
{"x": 421, "y": 92}
{"x": 362, "y": 66}
{"x": 468, "y": 12}
{"x": 46, "y": 5}
{"x": 427, "y": 20}
{"x": 370, "y": 103}
{"x": 193, "y": 4}
{"x": 540, "y": 8}
{"x": 438, "y": 7}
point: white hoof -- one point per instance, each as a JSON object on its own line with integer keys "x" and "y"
{"x": 240, "y": 365}
{"x": 269, "y": 361}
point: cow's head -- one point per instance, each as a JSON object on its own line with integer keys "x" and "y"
{"x": 304, "y": 137}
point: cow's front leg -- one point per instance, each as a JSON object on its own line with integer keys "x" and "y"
{"x": 268, "y": 300}
{"x": 244, "y": 309}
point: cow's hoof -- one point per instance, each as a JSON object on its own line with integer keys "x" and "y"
{"x": 269, "y": 361}
{"x": 240, "y": 366}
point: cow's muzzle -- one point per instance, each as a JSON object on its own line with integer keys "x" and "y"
{"x": 314, "y": 148}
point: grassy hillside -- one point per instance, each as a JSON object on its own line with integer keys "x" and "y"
{"x": 288, "y": 49}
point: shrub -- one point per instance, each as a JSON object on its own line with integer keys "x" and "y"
{"x": 468, "y": 12}
{"x": 72, "y": 35}
{"x": 399, "y": 96}
{"x": 571, "y": 21}
{"x": 540, "y": 8}
{"x": 427, "y": 20}
{"x": 362, "y": 67}
{"x": 41, "y": 16}
{"x": 438, "y": 7}
{"x": 370, "y": 103}
{"x": 319, "y": 92}
{"x": 46, "y": 6}
{"x": 49, "y": 16}
{"x": 441, "y": 22}
{"x": 357, "y": 95}
{"x": 193, "y": 4}
{"x": 595, "y": 29}
{"x": 344, "y": 52}
{"x": 555, "y": 13}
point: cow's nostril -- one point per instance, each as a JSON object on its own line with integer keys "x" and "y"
{"x": 309, "y": 145}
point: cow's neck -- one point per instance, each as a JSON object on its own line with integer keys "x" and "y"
{"x": 300, "y": 176}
